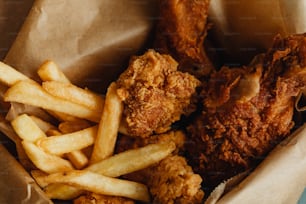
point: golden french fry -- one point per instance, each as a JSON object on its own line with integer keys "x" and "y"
{"x": 100, "y": 184}
{"x": 61, "y": 144}
{"x": 78, "y": 159}
{"x": 62, "y": 191}
{"x": 117, "y": 165}
{"x": 9, "y": 76}
{"x": 72, "y": 126}
{"x": 108, "y": 126}
{"x": 44, "y": 161}
{"x": 43, "y": 125}
{"x": 75, "y": 94}
{"x": 63, "y": 116}
{"x": 27, "y": 129}
{"x": 49, "y": 71}
{"x": 33, "y": 94}
{"x": 133, "y": 160}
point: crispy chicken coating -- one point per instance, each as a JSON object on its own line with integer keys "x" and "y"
{"x": 171, "y": 180}
{"x": 155, "y": 94}
{"x": 181, "y": 30}
{"x": 92, "y": 198}
{"x": 247, "y": 111}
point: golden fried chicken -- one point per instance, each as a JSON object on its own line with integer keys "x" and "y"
{"x": 155, "y": 94}
{"x": 247, "y": 111}
{"x": 171, "y": 180}
{"x": 92, "y": 198}
{"x": 181, "y": 30}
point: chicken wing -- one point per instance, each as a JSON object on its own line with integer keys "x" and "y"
{"x": 247, "y": 111}
{"x": 181, "y": 30}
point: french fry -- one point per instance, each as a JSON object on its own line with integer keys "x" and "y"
{"x": 78, "y": 159}
{"x": 72, "y": 126}
{"x": 27, "y": 129}
{"x": 43, "y": 125}
{"x": 132, "y": 160}
{"x": 9, "y": 76}
{"x": 49, "y": 71}
{"x": 108, "y": 126}
{"x": 45, "y": 162}
{"x": 115, "y": 166}
{"x": 62, "y": 191}
{"x": 33, "y": 94}
{"x": 63, "y": 116}
{"x": 75, "y": 94}
{"x": 99, "y": 184}
{"x": 66, "y": 143}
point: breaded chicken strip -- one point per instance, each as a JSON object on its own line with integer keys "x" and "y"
{"x": 247, "y": 111}
{"x": 155, "y": 94}
{"x": 181, "y": 30}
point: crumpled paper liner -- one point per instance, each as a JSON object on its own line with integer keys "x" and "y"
{"x": 89, "y": 40}
{"x": 17, "y": 186}
{"x": 242, "y": 29}
{"x": 92, "y": 42}
{"x": 280, "y": 178}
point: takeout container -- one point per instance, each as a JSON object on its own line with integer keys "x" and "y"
{"x": 92, "y": 43}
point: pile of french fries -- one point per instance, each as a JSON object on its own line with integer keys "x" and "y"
{"x": 75, "y": 154}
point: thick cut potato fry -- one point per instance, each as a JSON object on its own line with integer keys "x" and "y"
{"x": 75, "y": 94}
{"x": 33, "y": 94}
{"x": 44, "y": 161}
{"x": 9, "y": 76}
{"x": 62, "y": 191}
{"x": 43, "y": 125}
{"x": 78, "y": 159}
{"x": 133, "y": 160}
{"x": 49, "y": 71}
{"x": 72, "y": 126}
{"x": 117, "y": 165}
{"x": 66, "y": 143}
{"x": 99, "y": 184}
{"x": 108, "y": 126}
{"x": 27, "y": 129}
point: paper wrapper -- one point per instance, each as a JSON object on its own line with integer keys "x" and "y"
{"x": 92, "y": 42}
{"x": 242, "y": 29}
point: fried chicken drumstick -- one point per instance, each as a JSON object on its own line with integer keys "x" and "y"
{"x": 247, "y": 111}
{"x": 181, "y": 31}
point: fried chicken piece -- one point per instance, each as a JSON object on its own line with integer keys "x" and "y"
{"x": 181, "y": 30}
{"x": 155, "y": 94}
{"x": 247, "y": 111}
{"x": 92, "y": 198}
{"x": 171, "y": 180}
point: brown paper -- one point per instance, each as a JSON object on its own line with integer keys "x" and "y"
{"x": 89, "y": 40}
{"x": 13, "y": 14}
{"x": 16, "y": 185}
{"x": 92, "y": 41}
{"x": 280, "y": 178}
{"x": 242, "y": 29}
